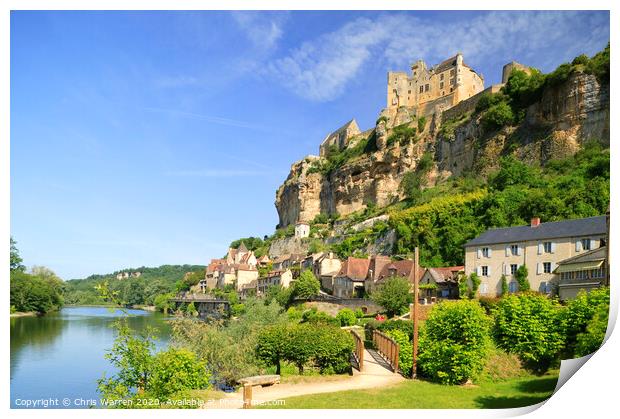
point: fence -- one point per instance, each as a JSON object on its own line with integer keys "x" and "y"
{"x": 358, "y": 354}
{"x": 387, "y": 347}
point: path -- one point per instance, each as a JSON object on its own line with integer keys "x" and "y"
{"x": 376, "y": 373}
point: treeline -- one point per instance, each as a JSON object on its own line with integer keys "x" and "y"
{"x": 38, "y": 291}
{"x": 142, "y": 290}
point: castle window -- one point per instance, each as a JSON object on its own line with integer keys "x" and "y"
{"x": 421, "y": 89}
{"x": 409, "y": 92}
{"x": 441, "y": 76}
{"x": 452, "y": 81}
{"x": 451, "y": 72}
{"x": 426, "y": 88}
{"x": 441, "y": 84}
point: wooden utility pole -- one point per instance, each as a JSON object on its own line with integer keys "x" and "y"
{"x": 413, "y": 311}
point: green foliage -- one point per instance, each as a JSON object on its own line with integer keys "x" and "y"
{"x": 530, "y": 326}
{"x": 488, "y": 100}
{"x": 599, "y": 66}
{"x": 15, "y": 259}
{"x": 315, "y": 316}
{"x": 579, "y": 313}
{"x": 421, "y": 123}
{"x": 34, "y": 293}
{"x": 335, "y": 158}
{"x": 405, "y": 326}
{"x": 346, "y": 317}
{"x": 405, "y": 351}
{"x": 306, "y": 286}
{"x": 592, "y": 338}
{"x": 488, "y": 303}
{"x": 333, "y": 348}
{"x": 521, "y": 278}
{"x": 454, "y": 342}
{"x": 383, "y": 119}
{"x": 191, "y": 309}
{"x": 448, "y": 127}
{"x": 402, "y": 134}
{"x": 497, "y": 116}
{"x": 414, "y": 181}
{"x": 140, "y": 371}
{"x": 359, "y": 313}
{"x": 513, "y": 172}
{"x": 162, "y": 302}
{"x": 229, "y": 348}
{"x": 475, "y": 284}
{"x": 504, "y": 285}
{"x": 393, "y": 295}
{"x": 252, "y": 243}
{"x": 272, "y": 345}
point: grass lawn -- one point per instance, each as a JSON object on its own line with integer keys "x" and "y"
{"x": 515, "y": 392}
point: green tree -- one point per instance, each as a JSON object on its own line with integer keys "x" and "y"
{"x": 176, "y": 370}
{"x": 306, "y": 285}
{"x": 592, "y": 338}
{"x": 475, "y": 284}
{"x": 393, "y": 295}
{"x": 522, "y": 280}
{"x": 530, "y": 326}
{"x": 497, "y": 116}
{"x": 347, "y": 317}
{"x": 272, "y": 344}
{"x": 15, "y": 259}
{"x": 504, "y": 285}
{"x": 454, "y": 342}
{"x": 579, "y": 313}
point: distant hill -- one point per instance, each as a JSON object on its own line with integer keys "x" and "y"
{"x": 165, "y": 272}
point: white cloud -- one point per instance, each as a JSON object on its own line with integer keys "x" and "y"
{"x": 321, "y": 69}
{"x": 263, "y": 29}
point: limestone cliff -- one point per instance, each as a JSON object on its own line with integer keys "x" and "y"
{"x": 556, "y": 126}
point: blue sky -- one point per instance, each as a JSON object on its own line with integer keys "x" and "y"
{"x": 146, "y": 138}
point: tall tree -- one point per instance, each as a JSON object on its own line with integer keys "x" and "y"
{"x": 16, "y": 260}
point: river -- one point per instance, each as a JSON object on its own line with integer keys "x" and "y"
{"x": 60, "y": 356}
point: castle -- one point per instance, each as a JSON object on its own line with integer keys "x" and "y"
{"x": 443, "y": 85}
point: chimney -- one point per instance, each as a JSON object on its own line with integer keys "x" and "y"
{"x": 535, "y": 222}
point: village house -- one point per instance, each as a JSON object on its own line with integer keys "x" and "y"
{"x": 540, "y": 247}
{"x": 441, "y": 283}
{"x": 302, "y": 230}
{"x": 582, "y": 272}
{"x": 274, "y": 278}
{"x": 349, "y": 281}
{"x": 324, "y": 266}
{"x": 339, "y": 139}
{"x": 238, "y": 268}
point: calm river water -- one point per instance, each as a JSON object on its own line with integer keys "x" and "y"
{"x": 60, "y": 355}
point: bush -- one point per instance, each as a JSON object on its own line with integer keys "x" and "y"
{"x": 521, "y": 277}
{"x": 592, "y": 339}
{"x": 405, "y": 351}
{"x": 359, "y": 313}
{"x": 579, "y": 313}
{"x": 488, "y": 303}
{"x": 313, "y": 315}
{"x": 271, "y": 347}
{"x": 176, "y": 370}
{"x": 332, "y": 352}
{"x": 497, "y": 116}
{"x": 529, "y": 325}
{"x": 421, "y": 123}
{"x": 402, "y": 134}
{"x": 405, "y": 326}
{"x": 454, "y": 342}
{"x": 347, "y": 317}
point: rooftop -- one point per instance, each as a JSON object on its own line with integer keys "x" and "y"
{"x": 557, "y": 229}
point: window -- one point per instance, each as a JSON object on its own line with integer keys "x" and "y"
{"x": 441, "y": 85}
{"x": 547, "y": 267}
{"x": 421, "y": 89}
{"x": 409, "y": 92}
{"x": 586, "y": 244}
{"x": 547, "y": 247}
{"x": 485, "y": 270}
{"x": 452, "y": 81}
{"x": 513, "y": 268}
{"x": 514, "y": 249}
{"x": 441, "y": 76}
{"x": 485, "y": 252}
{"x": 427, "y": 87}
{"x": 452, "y": 72}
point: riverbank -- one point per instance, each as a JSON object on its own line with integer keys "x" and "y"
{"x": 24, "y": 314}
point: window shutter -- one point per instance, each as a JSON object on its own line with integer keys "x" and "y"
{"x": 518, "y": 250}
{"x": 507, "y": 251}
{"x": 538, "y": 268}
{"x": 478, "y": 270}
{"x": 578, "y": 246}
{"x": 553, "y": 266}
{"x": 479, "y": 253}
{"x": 490, "y": 252}
{"x": 540, "y": 248}
{"x": 552, "y": 247}
{"x": 505, "y": 269}
{"x": 595, "y": 244}
{"x": 488, "y": 271}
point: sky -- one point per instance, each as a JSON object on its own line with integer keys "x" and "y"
{"x": 148, "y": 138}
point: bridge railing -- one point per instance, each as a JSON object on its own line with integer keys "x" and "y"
{"x": 358, "y": 353}
{"x": 387, "y": 347}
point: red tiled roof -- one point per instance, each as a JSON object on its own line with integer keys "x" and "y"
{"x": 445, "y": 274}
{"x": 401, "y": 268}
{"x": 355, "y": 268}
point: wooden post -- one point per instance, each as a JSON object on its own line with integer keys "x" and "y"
{"x": 416, "y": 297}
{"x": 247, "y": 396}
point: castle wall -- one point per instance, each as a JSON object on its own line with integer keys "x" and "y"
{"x": 469, "y": 104}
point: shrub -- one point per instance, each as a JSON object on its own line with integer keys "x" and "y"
{"x": 454, "y": 342}
{"x": 475, "y": 284}
{"x": 592, "y": 339}
{"x": 405, "y": 351}
{"x": 599, "y": 66}
{"x": 504, "y": 285}
{"x": 497, "y": 116}
{"x": 405, "y": 326}
{"x": 382, "y": 119}
{"x": 359, "y": 313}
{"x": 347, "y": 317}
{"x": 421, "y": 123}
{"x": 529, "y": 326}
{"x": 393, "y": 295}
{"x": 315, "y": 316}
{"x": 579, "y": 313}
{"x": 402, "y": 134}
{"x": 521, "y": 277}
{"x": 271, "y": 346}
{"x": 176, "y": 370}
{"x": 332, "y": 351}
{"x": 488, "y": 303}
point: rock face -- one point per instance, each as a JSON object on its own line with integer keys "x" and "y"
{"x": 556, "y": 126}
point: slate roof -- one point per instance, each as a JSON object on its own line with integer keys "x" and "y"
{"x": 552, "y": 230}
{"x": 445, "y": 274}
{"x": 402, "y": 268}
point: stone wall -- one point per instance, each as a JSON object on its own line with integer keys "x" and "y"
{"x": 468, "y": 105}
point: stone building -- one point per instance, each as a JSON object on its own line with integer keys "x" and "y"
{"x": 583, "y": 272}
{"x": 426, "y": 89}
{"x": 538, "y": 246}
{"x": 302, "y": 230}
{"x": 339, "y": 139}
